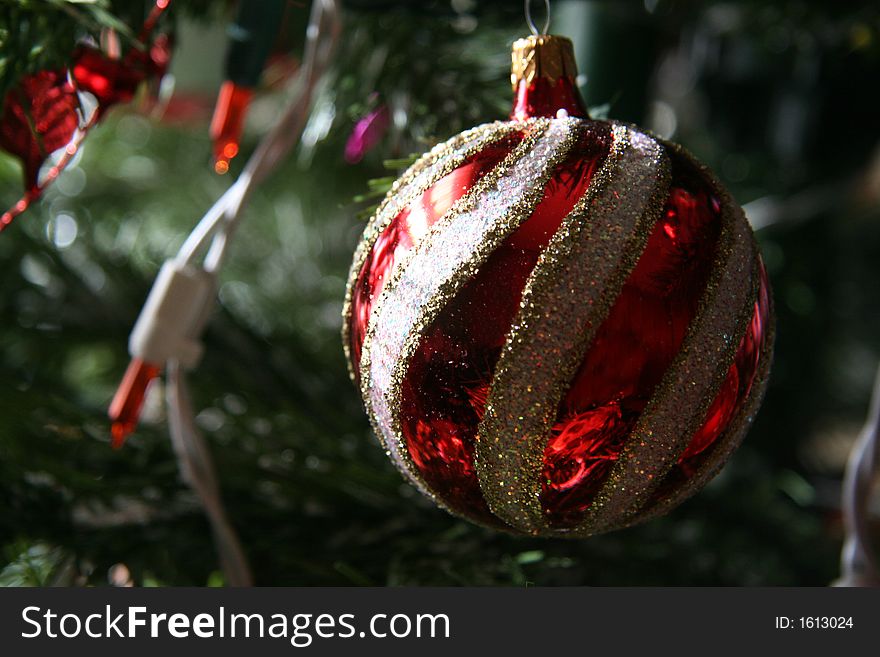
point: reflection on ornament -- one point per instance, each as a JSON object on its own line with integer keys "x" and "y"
{"x": 559, "y": 326}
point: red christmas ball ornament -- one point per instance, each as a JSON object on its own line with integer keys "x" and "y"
{"x": 559, "y": 326}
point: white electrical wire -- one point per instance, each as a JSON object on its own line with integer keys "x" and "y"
{"x": 205, "y": 229}
{"x": 858, "y": 560}
{"x": 197, "y": 469}
{"x": 215, "y": 231}
{"x": 223, "y": 218}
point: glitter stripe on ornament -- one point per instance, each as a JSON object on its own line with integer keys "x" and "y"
{"x": 439, "y": 162}
{"x": 391, "y": 442}
{"x": 727, "y": 443}
{"x": 408, "y": 228}
{"x": 681, "y": 400}
{"x": 568, "y": 295}
{"x": 444, "y": 260}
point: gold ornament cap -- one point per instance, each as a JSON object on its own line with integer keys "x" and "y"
{"x": 543, "y": 76}
{"x": 545, "y": 56}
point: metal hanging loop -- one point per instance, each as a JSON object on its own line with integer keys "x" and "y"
{"x": 531, "y": 23}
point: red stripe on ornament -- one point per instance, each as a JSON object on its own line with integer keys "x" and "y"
{"x": 569, "y": 293}
{"x": 679, "y": 405}
{"x": 441, "y": 264}
{"x": 731, "y": 413}
{"x": 423, "y": 279}
{"x": 632, "y": 350}
{"x": 405, "y": 231}
{"x": 446, "y": 385}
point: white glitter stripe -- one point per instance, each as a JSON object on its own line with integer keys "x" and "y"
{"x": 578, "y": 276}
{"x": 420, "y": 177}
{"x": 436, "y": 260}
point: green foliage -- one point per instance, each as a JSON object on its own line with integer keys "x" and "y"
{"x": 35, "y": 565}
